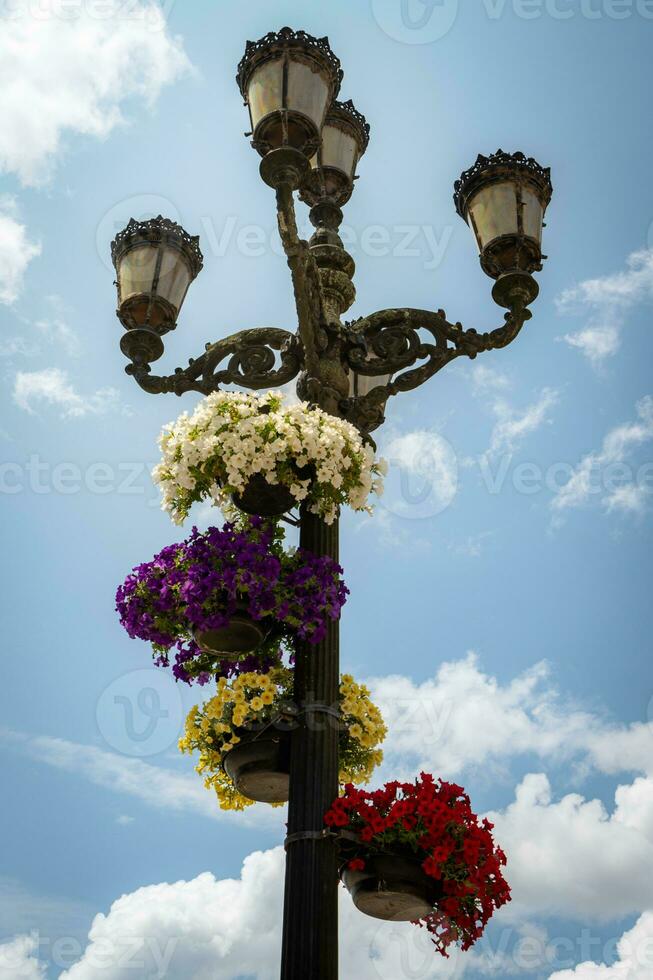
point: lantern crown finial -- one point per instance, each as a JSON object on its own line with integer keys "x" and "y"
{"x": 278, "y": 40}
{"x": 153, "y": 231}
{"x": 501, "y": 166}
{"x": 356, "y": 118}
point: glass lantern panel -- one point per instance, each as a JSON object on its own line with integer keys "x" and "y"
{"x": 174, "y": 277}
{"x": 137, "y": 268}
{"x": 308, "y": 91}
{"x": 494, "y": 210}
{"x": 361, "y": 384}
{"x": 265, "y": 90}
{"x": 339, "y": 149}
{"x": 533, "y": 214}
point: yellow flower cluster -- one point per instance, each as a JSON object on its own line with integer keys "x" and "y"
{"x": 248, "y": 699}
{"x": 251, "y": 700}
{"x": 364, "y": 732}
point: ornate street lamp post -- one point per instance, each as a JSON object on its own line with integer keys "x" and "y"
{"x": 310, "y": 143}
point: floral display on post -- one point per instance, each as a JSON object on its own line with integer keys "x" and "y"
{"x": 226, "y": 599}
{"x": 254, "y": 705}
{"x": 236, "y": 448}
{"x": 432, "y": 824}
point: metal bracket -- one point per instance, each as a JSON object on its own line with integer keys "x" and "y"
{"x": 321, "y": 709}
{"x": 307, "y": 835}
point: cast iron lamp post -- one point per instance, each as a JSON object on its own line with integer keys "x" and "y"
{"x": 310, "y": 143}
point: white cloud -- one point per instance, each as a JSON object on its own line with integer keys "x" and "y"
{"x": 67, "y": 69}
{"x": 55, "y": 327}
{"x": 123, "y": 820}
{"x": 472, "y": 546}
{"x": 18, "y": 347}
{"x": 23, "y": 910}
{"x": 568, "y": 857}
{"x": 19, "y": 959}
{"x": 486, "y": 378}
{"x": 151, "y": 784}
{"x": 52, "y": 387}
{"x": 463, "y": 719}
{"x": 162, "y": 788}
{"x": 593, "y": 478}
{"x": 572, "y": 857}
{"x": 513, "y": 425}
{"x": 607, "y": 301}
{"x": 52, "y": 329}
{"x": 231, "y": 928}
{"x": 597, "y": 341}
{"x": 635, "y": 806}
{"x": 193, "y": 928}
{"x": 634, "y": 957}
{"x": 16, "y": 249}
{"x": 423, "y": 476}
{"x": 622, "y": 749}
{"x": 629, "y": 499}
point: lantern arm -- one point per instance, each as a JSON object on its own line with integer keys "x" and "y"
{"x": 389, "y": 343}
{"x": 263, "y": 357}
{"x": 307, "y": 284}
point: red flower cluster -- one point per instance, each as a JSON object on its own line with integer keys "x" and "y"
{"x": 434, "y": 823}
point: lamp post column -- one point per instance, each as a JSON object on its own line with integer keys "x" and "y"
{"x": 310, "y": 921}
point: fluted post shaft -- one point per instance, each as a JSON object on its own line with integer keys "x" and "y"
{"x": 310, "y": 925}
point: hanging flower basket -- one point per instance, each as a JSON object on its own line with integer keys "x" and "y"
{"x": 259, "y": 767}
{"x": 241, "y": 636}
{"x": 417, "y": 851}
{"x": 263, "y": 498}
{"x": 223, "y": 597}
{"x": 392, "y": 887}
{"x": 263, "y": 456}
{"x": 243, "y": 733}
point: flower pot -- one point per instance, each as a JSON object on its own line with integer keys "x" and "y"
{"x": 240, "y": 637}
{"x": 260, "y": 767}
{"x": 264, "y": 499}
{"x": 392, "y": 887}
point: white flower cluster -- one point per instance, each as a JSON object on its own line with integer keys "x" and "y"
{"x": 232, "y": 436}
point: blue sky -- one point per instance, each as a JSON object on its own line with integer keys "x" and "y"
{"x": 500, "y": 597}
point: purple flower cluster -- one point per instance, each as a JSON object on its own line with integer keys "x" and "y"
{"x": 201, "y": 583}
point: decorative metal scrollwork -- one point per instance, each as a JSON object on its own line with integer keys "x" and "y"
{"x": 401, "y": 347}
{"x": 263, "y": 357}
{"x": 389, "y": 341}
